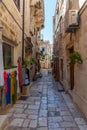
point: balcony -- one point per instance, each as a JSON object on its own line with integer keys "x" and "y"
{"x": 72, "y": 21}
{"x": 38, "y": 13}
{"x": 29, "y": 46}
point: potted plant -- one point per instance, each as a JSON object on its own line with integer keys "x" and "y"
{"x": 32, "y": 61}
{"x": 26, "y": 63}
{"x": 75, "y": 57}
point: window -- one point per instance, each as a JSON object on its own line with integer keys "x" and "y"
{"x": 8, "y": 52}
{"x": 17, "y": 2}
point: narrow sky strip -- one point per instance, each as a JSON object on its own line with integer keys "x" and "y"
{"x": 47, "y": 32}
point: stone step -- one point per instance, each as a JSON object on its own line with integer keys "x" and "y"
{"x": 3, "y": 121}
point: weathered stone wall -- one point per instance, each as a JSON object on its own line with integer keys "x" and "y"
{"x": 80, "y": 89}
{"x": 78, "y": 42}
{"x": 10, "y": 28}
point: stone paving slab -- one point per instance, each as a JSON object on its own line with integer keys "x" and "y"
{"x": 46, "y": 109}
{"x": 17, "y": 122}
{"x": 3, "y": 121}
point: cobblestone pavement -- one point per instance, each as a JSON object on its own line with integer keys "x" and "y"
{"x": 46, "y": 109}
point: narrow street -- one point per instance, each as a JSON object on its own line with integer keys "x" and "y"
{"x": 42, "y": 48}
{"x": 46, "y": 108}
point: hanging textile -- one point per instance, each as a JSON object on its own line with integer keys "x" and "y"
{"x": 12, "y": 87}
{"x": 5, "y": 83}
{"x": 1, "y": 66}
{"x": 23, "y": 75}
{"x": 18, "y": 89}
{"x": 27, "y": 78}
{"x": 5, "y": 90}
{"x": 20, "y": 72}
{"x": 8, "y": 95}
{"x": 15, "y": 86}
{"x": 3, "y": 100}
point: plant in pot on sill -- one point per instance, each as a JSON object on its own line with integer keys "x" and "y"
{"x": 29, "y": 63}
{"x": 33, "y": 61}
{"x": 26, "y": 63}
{"x": 75, "y": 57}
{"x": 10, "y": 67}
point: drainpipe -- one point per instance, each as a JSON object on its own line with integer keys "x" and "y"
{"x": 23, "y": 22}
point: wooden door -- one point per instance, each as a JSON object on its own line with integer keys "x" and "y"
{"x": 72, "y": 73}
{"x": 62, "y": 69}
{"x": 57, "y": 67}
{"x": 72, "y": 76}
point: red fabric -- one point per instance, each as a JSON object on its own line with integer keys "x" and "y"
{"x": 20, "y": 73}
{"x": 5, "y": 83}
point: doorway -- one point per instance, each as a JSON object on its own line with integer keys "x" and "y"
{"x": 62, "y": 69}
{"x": 72, "y": 72}
{"x": 57, "y": 69}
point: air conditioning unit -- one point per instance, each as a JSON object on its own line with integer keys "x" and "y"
{"x": 72, "y": 21}
{"x": 73, "y": 18}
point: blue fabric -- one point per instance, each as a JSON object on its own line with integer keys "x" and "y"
{"x": 8, "y": 95}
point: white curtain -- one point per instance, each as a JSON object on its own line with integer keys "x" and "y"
{"x": 1, "y": 65}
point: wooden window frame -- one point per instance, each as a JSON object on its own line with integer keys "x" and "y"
{"x": 8, "y": 56}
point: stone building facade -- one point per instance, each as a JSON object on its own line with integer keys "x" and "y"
{"x": 36, "y": 25}
{"x": 11, "y": 19}
{"x": 69, "y": 37}
{"x": 19, "y": 36}
{"x": 46, "y": 54}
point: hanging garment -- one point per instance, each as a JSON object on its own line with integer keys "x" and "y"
{"x": 27, "y": 78}
{"x": 5, "y": 83}
{"x": 1, "y": 66}
{"x": 15, "y": 86}
{"x": 1, "y": 78}
{"x": 3, "y": 99}
{"x": 18, "y": 89}
{"x": 8, "y": 95}
{"x": 23, "y": 75}
{"x": 20, "y": 72}
{"x": 12, "y": 87}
